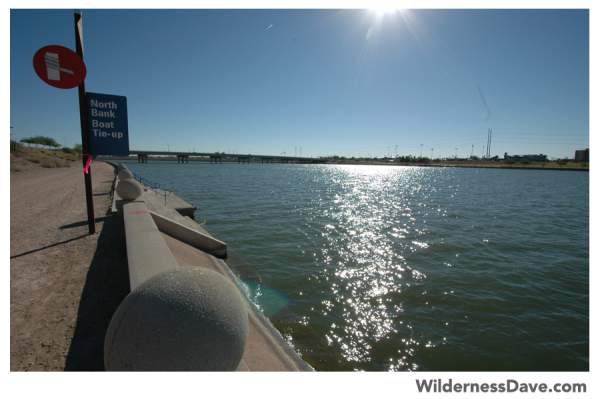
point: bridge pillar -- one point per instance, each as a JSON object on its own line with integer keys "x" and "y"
{"x": 182, "y": 158}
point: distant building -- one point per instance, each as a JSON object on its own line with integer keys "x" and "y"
{"x": 582, "y": 155}
{"x": 526, "y": 158}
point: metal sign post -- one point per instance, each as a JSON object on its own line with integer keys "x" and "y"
{"x": 83, "y": 115}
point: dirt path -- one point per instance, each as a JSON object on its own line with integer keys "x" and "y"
{"x": 65, "y": 284}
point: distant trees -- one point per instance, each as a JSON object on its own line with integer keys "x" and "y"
{"x": 41, "y": 140}
{"x": 411, "y": 159}
{"x": 35, "y": 149}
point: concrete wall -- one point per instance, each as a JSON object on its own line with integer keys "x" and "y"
{"x": 147, "y": 253}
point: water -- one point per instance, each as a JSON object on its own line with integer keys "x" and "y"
{"x": 405, "y": 268}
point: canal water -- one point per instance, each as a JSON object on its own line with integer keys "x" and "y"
{"x": 405, "y": 268}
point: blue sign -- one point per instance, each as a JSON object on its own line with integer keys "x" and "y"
{"x": 107, "y": 124}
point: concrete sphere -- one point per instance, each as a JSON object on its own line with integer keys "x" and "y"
{"x": 125, "y": 174}
{"x": 188, "y": 319}
{"x": 129, "y": 189}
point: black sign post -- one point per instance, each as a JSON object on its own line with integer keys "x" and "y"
{"x": 83, "y": 115}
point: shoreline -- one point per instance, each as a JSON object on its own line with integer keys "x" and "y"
{"x": 378, "y": 163}
{"x": 473, "y": 166}
{"x": 265, "y": 349}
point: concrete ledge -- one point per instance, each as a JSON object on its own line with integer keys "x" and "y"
{"x": 195, "y": 238}
{"x": 147, "y": 253}
{"x": 162, "y": 198}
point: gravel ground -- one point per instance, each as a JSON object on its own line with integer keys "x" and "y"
{"x": 64, "y": 283}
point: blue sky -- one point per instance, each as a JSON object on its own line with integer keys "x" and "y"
{"x": 348, "y": 82}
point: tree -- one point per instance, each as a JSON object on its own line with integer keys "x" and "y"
{"x": 41, "y": 140}
{"x": 77, "y": 148}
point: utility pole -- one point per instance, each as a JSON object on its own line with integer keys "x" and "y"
{"x": 472, "y": 148}
{"x": 489, "y": 143}
{"x": 421, "y": 155}
{"x": 431, "y": 154}
{"x": 83, "y": 119}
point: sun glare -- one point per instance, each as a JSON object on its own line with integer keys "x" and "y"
{"x": 381, "y": 11}
{"x": 381, "y": 14}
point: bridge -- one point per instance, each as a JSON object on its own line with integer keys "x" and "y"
{"x": 220, "y": 157}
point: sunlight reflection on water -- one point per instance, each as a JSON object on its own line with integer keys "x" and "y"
{"x": 361, "y": 254}
{"x": 405, "y": 268}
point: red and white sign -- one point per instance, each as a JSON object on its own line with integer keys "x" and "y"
{"x": 59, "y": 67}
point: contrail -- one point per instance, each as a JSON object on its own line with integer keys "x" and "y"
{"x": 268, "y": 27}
{"x": 485, "y": 104}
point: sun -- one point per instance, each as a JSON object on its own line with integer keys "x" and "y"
{"x": 382, "y": 10}
{"x": 384, "y": 13}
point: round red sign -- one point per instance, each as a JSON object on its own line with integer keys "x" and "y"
{"x": 59, "y": 67}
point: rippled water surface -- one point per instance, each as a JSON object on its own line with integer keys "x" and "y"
{"x": 405, "y": 268}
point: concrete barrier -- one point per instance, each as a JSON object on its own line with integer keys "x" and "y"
{"x": 124, "y": 173}
{"x": 195, "y": 238}
{"x": 173, "y": 319}
{"x": 129, "y": 189}
{"x": 147, "y": 253}
{"x": 188, "y": 319}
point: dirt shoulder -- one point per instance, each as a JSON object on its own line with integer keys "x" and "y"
{"x": 65, "y": 284}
